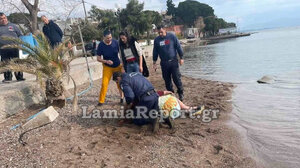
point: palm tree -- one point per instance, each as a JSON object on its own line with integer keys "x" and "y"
{"x": 49, "y": 64}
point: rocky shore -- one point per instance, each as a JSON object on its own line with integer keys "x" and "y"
{"x": 223, "y": 37}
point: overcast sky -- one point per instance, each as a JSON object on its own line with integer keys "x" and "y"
{"x": 248, "y": 14}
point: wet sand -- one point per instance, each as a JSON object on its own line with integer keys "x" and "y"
{"x": 73, "y": 141}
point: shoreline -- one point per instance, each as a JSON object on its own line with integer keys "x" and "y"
{"x": 74, "y": 141}
{"x": 194, "y": 42}
{"x": 223, "y": 37}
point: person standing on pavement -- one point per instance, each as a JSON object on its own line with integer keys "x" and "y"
{"x": 8, "y": 29}
{"x": 166, "y": 46}
{"x": 52, "y": 31}
{"x": 107, "y": 54}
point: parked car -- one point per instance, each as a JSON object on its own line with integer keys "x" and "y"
{"x": 89, "y": 48}
{"x": 190, "y": 36}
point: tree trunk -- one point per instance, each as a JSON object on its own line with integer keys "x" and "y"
{"x": 34, "y": 24}
{"x": 55, "y": 92}
{"x": 33, "y": 10}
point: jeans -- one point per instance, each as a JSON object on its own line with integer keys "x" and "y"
{"x": 132, "y": 67}
{"x": 170, "y": 69}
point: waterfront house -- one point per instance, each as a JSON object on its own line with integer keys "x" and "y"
{"x": 229, "y": 30}
{"x": 191, "y": 33}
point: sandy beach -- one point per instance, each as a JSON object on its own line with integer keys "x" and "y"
{"x": 73, "y": 141}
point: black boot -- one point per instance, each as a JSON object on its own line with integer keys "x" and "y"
{"x": 155, "y": 123}
{"x": 181, "y": 96}
{"x": 169, "y": 122}
{"x": 19, "y": 76}
{"x": 7, "y": 77}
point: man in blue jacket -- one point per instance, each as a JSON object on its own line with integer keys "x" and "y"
{"x": 52, "y": 31}
{"x": 166, "y": 46}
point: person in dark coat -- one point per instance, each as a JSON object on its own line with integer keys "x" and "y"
{"x": 132, "y": 55}
{"x": 52, "y": 31}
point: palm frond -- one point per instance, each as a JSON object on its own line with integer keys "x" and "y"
{"x": 39, "y": 78}
{"x": 36, "y": 52}
{"x": 44, "y": 49}
{"x": 48, "y": 71}
{"x": 69, "y": 60}
{"x": 23, "y": 65}
{"x": 43, "y": 42}
{"x": 44, "y": 53}
{"x": 19, "y": 44}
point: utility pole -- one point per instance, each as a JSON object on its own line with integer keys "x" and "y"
{"x": 117, "y": 13}
{"x": 86, "y": 19}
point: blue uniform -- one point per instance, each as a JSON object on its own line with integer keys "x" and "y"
{"x": 137, "y": 88}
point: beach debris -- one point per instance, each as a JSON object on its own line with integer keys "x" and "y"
{"x": 46, "y": 116}
{"x": 217, "y": 149}
{"x": 266, "y": 80}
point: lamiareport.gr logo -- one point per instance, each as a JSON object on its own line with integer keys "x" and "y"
{"x": 207, "y": 115}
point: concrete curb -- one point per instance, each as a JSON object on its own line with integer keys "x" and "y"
{"x": 16, "y": 97}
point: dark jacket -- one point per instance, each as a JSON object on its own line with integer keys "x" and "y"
{"x": 134, "y": 85}
{"x": 167, "y": 48}
{"x": 135, "y": 53}
{"x": 53, "y": 33}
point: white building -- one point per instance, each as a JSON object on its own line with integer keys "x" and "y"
{"x": 191, "y": 33}
{"x": 228, "y": 30}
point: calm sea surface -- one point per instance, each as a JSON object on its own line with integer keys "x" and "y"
{"x": 267, "y": 115}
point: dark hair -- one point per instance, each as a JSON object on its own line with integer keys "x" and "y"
{"x": 123, "y": 33}
{"x": 160, "y": 27}
{"x": 106, "y": 32}
{"x": 1, "y": 14}
{"x": 116, "y": 75}
{"x": 126, "y": 34}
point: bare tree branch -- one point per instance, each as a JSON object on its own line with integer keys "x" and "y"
{"x": 36, "y": 4}
{"x": 20, "y": 11}
{"x": 75, "y": 6}
{"x": 64, "y": 10}
{"x": 27, "y": 5}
